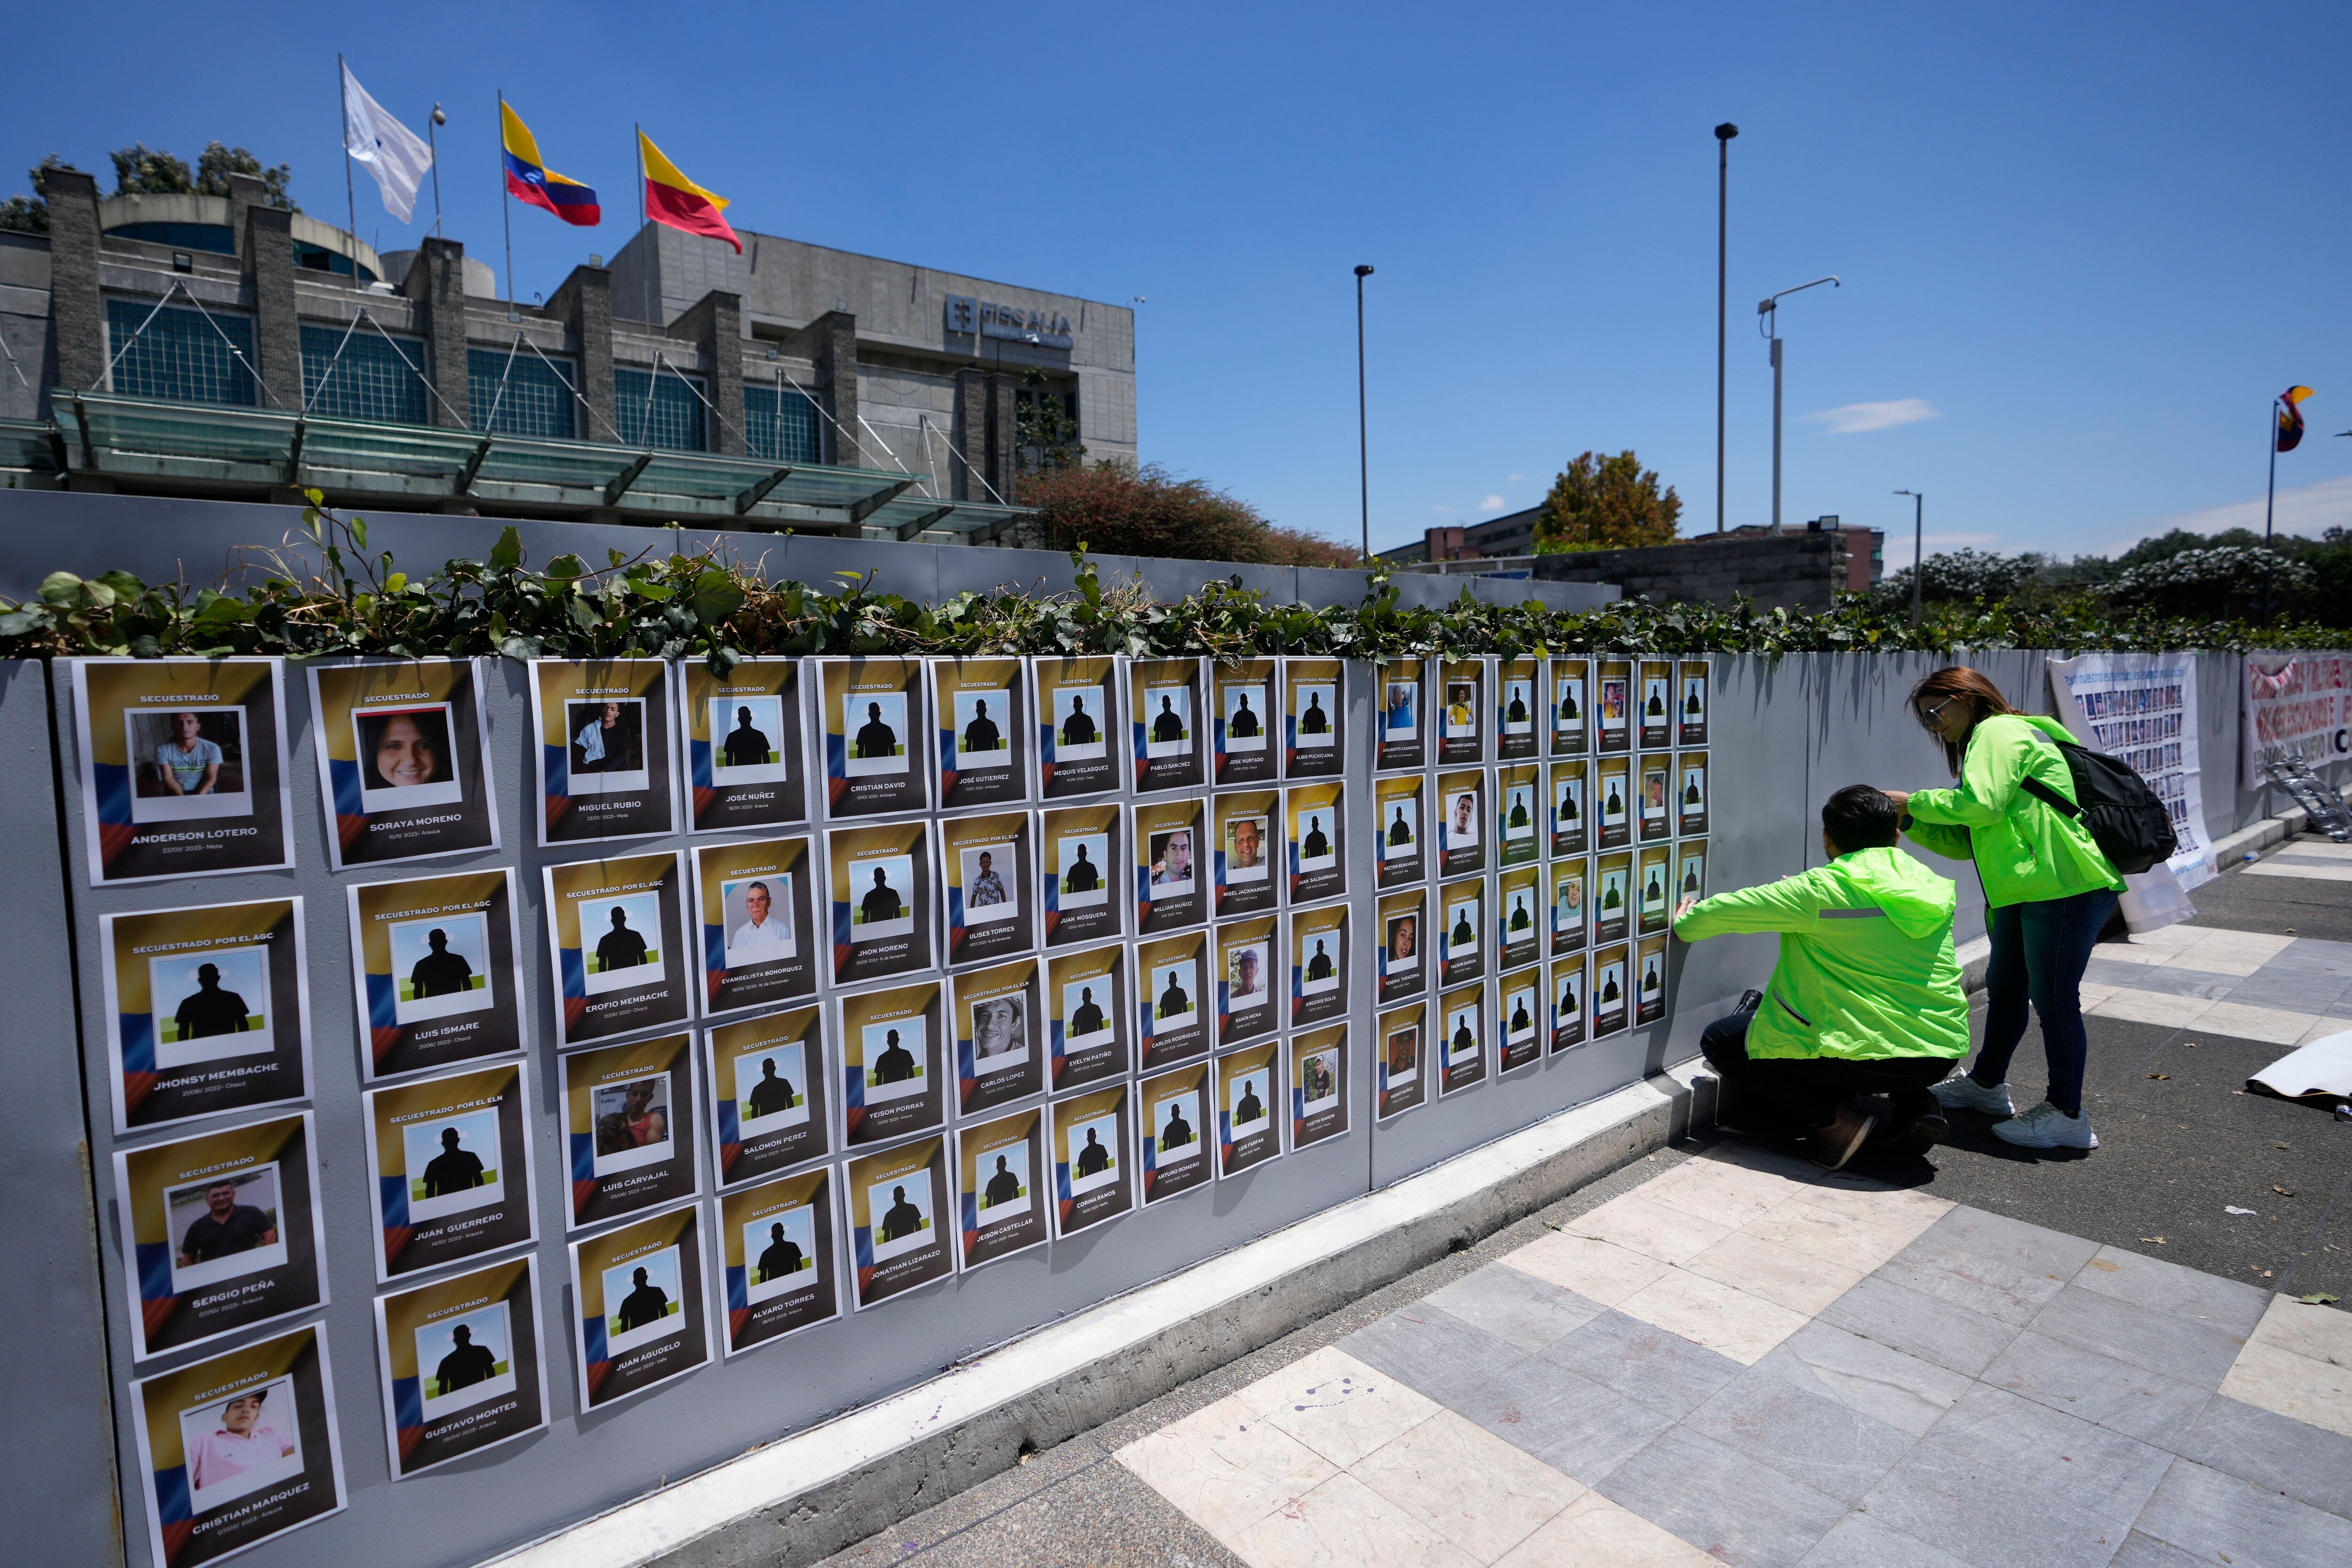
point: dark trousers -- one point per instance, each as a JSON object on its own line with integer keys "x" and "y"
{"x": 1790, "y": 1098}
{"x": 2039, "y": 953}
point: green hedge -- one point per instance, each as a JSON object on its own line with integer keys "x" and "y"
{"x": 334, "y": 597}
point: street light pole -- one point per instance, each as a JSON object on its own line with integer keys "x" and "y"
{"x": 1767, "y": 313}
{"x": 1723, "y": 135}
{"x": 1918, "y": 539}
{"x": 1364, "y": 430}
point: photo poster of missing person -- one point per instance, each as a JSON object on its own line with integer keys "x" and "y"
{"x": 461, "y": 1365}
{"x": 1657, "y": 699}
{"x": 1319, "y": 1087}
{"x": 630, "y": 1137}
{"x": 898, "y": 1205}
{"x": 1247, "y": 963}
{"x": 770, "y": 1083}
{"x": 183, "y": 767}
{"x": 1172, "y": 1000}
{"x": 1318, "y": 965}
{"x": 404, "y": 758}
{"x": 988, "y": 871}
{"x": 1690, "y": 793}
{"x": 1242, "y": 716}
{"x": 604, "y": 766}
{"x": 1080, "y": 849}
{"x": 1173, "y": 1109}
{"x": 1241, "y": 838}
{"x": 1461, "y": 1039}
{"x": 1655, "y": 791}
{"x": 1518, "y": 1020}
{"x": 1314, "y": 717}
{"x": 1461, "y": 829}
{"x": 1690, "y": 714}
{"x": 1653, "y": 880}
{"x": 221, "y": 1232}
{"x": 1249, "y": 1108}
{"x": 1398, "y": 719}
{"x": 1612, "y": 782}
{"x": 1569, "y": 686}
{"x": 1570, "y": 809}
{"x": 1172, "y": 875}
{"x": 1518, "y": 708}
{"x": 1000, "y": 1036}
{"x": 880, "y": 882}
{"x": 1401, "y": 1084}
{"x": 1571, "y": 905}
{"x": 1076, "y": 704}
{"x": 1093, "y": 1181}
{"x": 1462, "y": 713}
{"x": 612, "y": 928}
{"x": 1087, "y": 998}
{"x": 1616, "y": 705}
{"x": 1564, "y": 985}
{"x": 872, "y": 713}
{"x": 745, "y": 764}
{"x": 238, "y": 1448}
{"x": 1164, "y": 707}
{"x": 1519, "y": 827}
{"x": 1613, "y": 897}
{"x": 982, "y": 719}
{"x": 1403, "y": 967}
{"x": 452, "y": 1171}
{"x": 776, "y": 1241}
{"x": 1518, "y": 917}
{"x": 758, "y": 921}
{"x": 999, "y": 1167}
{"x": 437, "y": 971}
{"x": 643, "y": 1320}
{"x": 1690, "y": 871}
{"x": 1316, "y": 840}
{"x": 1609, "y": 1008}
{"x": 207, "y": 1011}
{"x": 1461, "y": 931}
{"x": 1650, "y": 988}
{"x": 1402, "y": 834}
{"x": 890, "y": 1064}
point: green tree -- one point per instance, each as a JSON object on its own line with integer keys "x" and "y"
{"x": 1115, "y": 508}
{"x": 1607, "y": 503}
{"x": 1966, "y": 575}
{"x": 2221, "y": 582}
{"x": 30, "y": 214}
{"x": 1045, "y": 436}
{"x": 140, "y": 170}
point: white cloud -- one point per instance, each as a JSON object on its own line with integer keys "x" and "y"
{"x": 1859, "y": 418}
{"x": 1948, "y": 541}
{"x": 2307, "y": 510}
{"x": 1443, "y": 510}
{"x": 1492, "y": 503}
{"x": 1515, "y": 477}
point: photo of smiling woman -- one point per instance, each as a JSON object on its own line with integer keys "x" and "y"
{"x": 402, "y": 759}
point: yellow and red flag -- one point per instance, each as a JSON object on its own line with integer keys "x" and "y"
{"x": 2290, "y": 417}
{"x": 673, "y": 199}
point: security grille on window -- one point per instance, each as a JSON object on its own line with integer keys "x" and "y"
{"x": 781, "y": 426}
{"x": 674, "y": 418}
{"x": 181, "y": 356}
{"x": 537, "y": 397}
{"x": 368, "y": 381}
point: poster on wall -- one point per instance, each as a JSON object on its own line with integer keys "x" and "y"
{"x": 460, "y": 1365}
{"x": 238, "y": 1448}
{"x": 613, "y": 933}
{"x": 1170, "y": 875}
{"x": 980, "y": 704}
{"x": 1656, "y": 796}
{"x": 1079, "y": 845}
{"x": 207, "y": 1010}
{"x": 1461, "y": 824}
{"x": 604, "y": 753}
{"x": 1612, "y": 783}
{"x": 880, "y": 884}
{"x": 758, "y": 921}
{"x": 1653, "y": 873}
{"x": 1611, "y": 1003}
{"x": 776, "y": 1242}
{"x": 1172, "y": 1000}
{"x": 1094, "y": 1181}
{"x": 872, "y": 727}
{"x": 1517, "y": 706}
{"x": 1519, "y": 815}
{"x": 1077, "y": 725}
{"x": 1247, "y": 1007}
{"x": 1249, "y": 1108}
{"x": 1397, "y": 718}
{"x": 1690, "y": 801}
{"x": 1461, "y": 716}
{"x": 1314, "y": 719}
{"x": 1244, "y": 706}
{"x": 1690, "y": 876}
{"x": 1518, "y": 1021}
{"x": 1316, "y": 841}
{"x": 1690, "y": 718}
{"x": 437, "y": 970}
{"x": 990, "y": 874}
{"x": 221, "y": 1233}
{"x": 2141, "y": 709}
{"x": 770, "y": 1083}
{"x": 1612, "y": 903}
{"x": 1649, "y": 984}
{"x": 1566, "y": 988}
{"x": 1087, "y": 994}
{"x": 1657, "y": 699}
{"x": 1319, "y": 1087}
{"x": 404, "y": 759}
{"x": 1174, "y": 1110}
{"x": 1401, "y": 1084}
{"x": 1461, "y": 1039}
{"x": 890, "y": 1071}
{"x": 1163, "y": 705}
{"x": 999, "y": 1169}
{"x": 1571, "y": 906}
{"x": 1241, "y": 832}
{"x": 452, "y": 1171}
{"x": 644, "y": 1318}
{"x": 1568, "y": 820}
{"x": 1570, "y": 717}
{"x": 1461, "y": 931}
{"x": 1318, "y": 965}
{"x": 2292, "y": 705}
{"x": 631, "y": 1138}
{"x": 1616, "y": 705}
{"x": 1404, "y": 965}
{"x": 1400, "y": 844}
{"x": 745, "y": 766}
{"x": 898, "y": 1229}
{"x": 1000, "y": 1036}
{"x": 183, "y": 767}
{"x": 1518, "y": 918}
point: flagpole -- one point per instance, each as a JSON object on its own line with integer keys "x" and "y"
{"x": 644, "y": 267}
{"x": 2270, "y": 505}
{"x": 351, "y": 202}
{"x": 431, "y": 125}
{"x": 506, "y": 201}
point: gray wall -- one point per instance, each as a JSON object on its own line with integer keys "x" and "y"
{"x": 1802, "y": 571}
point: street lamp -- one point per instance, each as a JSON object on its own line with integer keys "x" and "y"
{"x": 1363, "y": 448}
{"x": 1767, "y": 315}
{"x": 1918, "y": 513}
{"x": 1723, "y": 135}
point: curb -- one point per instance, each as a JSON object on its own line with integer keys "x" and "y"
{"x": 804, "y": 1497}
{"x": 2270, "y": 830}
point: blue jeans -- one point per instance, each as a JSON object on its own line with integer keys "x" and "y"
{"x": 2039, "y": 953}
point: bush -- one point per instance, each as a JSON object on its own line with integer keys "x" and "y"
{"x": 1117, "y": 509}
{"x": 1964, "y": 575}
{"x": 2212, "y": 584}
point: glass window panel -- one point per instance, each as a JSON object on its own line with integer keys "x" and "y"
{"x": 537, "y": 398}
{"x": 180, "y": 356}
{"x": 781, "y": 425}
{"x": 362, "y": 376}
{"x": 661, "y": 410}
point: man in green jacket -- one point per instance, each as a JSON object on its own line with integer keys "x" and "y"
{"x": 1865, "y": 998}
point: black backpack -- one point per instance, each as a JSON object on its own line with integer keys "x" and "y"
{"x": 2127, "y": 820}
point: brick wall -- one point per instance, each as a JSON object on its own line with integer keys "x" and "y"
{"x": 1800, "y": 570}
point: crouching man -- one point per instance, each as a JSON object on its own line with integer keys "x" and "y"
{"x": 1865, "y": 998}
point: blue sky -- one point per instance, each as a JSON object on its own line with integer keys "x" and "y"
{"x": 2081, "y": 245}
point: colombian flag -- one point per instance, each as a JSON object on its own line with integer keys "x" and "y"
{"x": 673, "y": 199}
{"x": 529, "y": 180}
{"x": 2290, "y": 417}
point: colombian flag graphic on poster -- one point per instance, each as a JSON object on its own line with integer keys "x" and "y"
{"x": 529, "y": 179}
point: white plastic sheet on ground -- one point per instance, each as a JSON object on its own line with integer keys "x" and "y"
{"x": 2321, "y": 1070}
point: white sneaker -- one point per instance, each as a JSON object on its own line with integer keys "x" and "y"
{"x": 2047, "y": 1127}
{"x": 1963, "y": 1090}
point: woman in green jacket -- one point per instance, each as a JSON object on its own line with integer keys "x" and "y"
{"x": 2047, "y": 886}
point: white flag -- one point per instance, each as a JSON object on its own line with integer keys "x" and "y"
{"x": 390, "y": 151}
